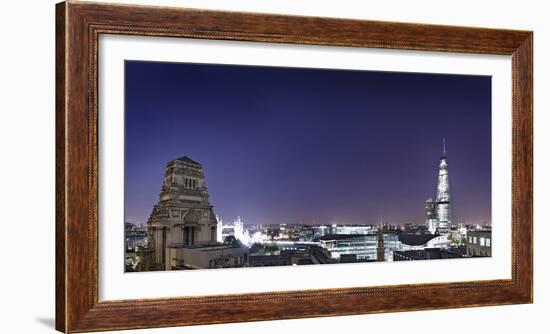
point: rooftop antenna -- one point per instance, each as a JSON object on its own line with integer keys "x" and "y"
{"x": 444, "y": 149}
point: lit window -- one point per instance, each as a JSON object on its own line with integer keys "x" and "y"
{"x": 488, "y": 242}
{"x": 475, "y": 240}
{"x": 482, "y": 241}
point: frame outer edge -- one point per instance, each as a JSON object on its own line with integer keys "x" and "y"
{"x": 524, "y": 124}
{"x": 73, "y": 301}
{"x": 61, "y": 318}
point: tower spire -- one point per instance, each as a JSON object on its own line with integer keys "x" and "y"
{"x": 443, "y": 196}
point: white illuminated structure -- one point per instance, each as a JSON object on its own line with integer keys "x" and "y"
{"x": 240, "y": 233}
{"x": 443, "y": 198}
{"x": 353, "y": 229}
{"x": 438, "y": 212}
{"x": 219, "y": 231}
{"x": 237, "y": 230}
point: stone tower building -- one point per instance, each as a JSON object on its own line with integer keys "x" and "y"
{"x": 183, "y": 215}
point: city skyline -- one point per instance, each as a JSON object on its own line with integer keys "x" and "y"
{"x": 284, "y": 145}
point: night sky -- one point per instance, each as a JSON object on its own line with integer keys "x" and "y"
{"x": 284, "y": 145}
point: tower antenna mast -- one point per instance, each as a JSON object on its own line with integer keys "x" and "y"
{"x": 444, "y": 149}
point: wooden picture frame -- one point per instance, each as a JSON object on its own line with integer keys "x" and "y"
{"x": 78, "y": 26}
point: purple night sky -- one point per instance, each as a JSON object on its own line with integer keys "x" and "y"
{"x": 283, "y": 145}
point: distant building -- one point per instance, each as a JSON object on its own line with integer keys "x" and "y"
{"x": 352, "y": 229}
{"x": 380, "y": 251}
{"x": 310, "y": 232}
{"x": 427, "y": 254}
{"x": 478, "y": 243}
{"x": 135, "y": 236}
{"x": 443, "y": 197}
{"x": 368, "y": 246}
{"x": 182, "y": 228}
{"x": 283, "y": 253}
{"x": 415, "y": 241}
{"x": 458, "y": 235}
{"x": 438, "y": 212}
{"x": 270, "y": 260}
{"x": 238, "y": 231}
{"x": 320, "y": 230}
{"x": 363, "y": 246}
{"x": 431, "y": 217}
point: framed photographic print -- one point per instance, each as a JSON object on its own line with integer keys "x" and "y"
{"x": 221, "y": 167}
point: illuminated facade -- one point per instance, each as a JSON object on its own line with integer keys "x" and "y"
{"x": 478, "y": 243}
{"x": 364, "y": 246}
{"x": 431, "y": 217}
{"x": 238, "y": 231}
{"x": 219, "y": 236}
{"x": 443, "y": 212}
{"x": 371, "y": 246}
{"x": 353, "y": 229}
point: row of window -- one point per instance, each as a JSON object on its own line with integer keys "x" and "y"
{"x": 482, "y": 241}
{"x": 190, "y": 183}
{"x": 228, "y": 261}
{"x": 473, "y": 252}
